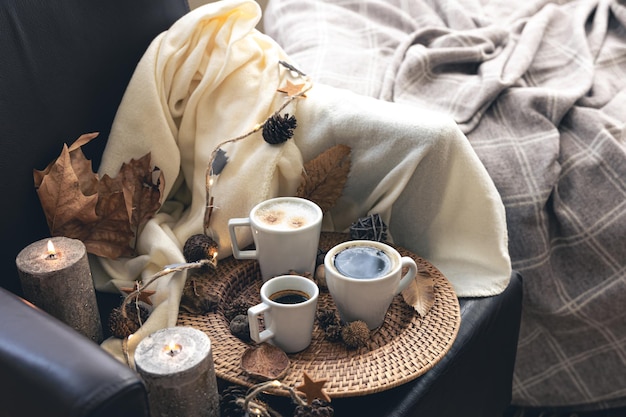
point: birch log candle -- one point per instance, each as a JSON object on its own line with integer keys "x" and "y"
{"x": 56, "y": 277}
{"x": 176, "y": 364}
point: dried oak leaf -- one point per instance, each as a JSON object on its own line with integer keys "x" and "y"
{"x": 112, "y": 234}
{"x": 142, "y": 187}
{"x": 66, "y": 205}
{"x": 103, "y": 213}
{"x": 325, "y": 176}
{"x": 420, "y": 294}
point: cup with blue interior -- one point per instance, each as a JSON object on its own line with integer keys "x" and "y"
{"x": 363, "y": 277}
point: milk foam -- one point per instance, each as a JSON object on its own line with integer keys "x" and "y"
{"x": 285, "y": 215}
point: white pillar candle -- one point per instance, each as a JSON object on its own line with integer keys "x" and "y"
{"x": 176, "y": 364}
{"x": 56, "y": 277}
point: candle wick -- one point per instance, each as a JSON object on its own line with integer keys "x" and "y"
{"x": 51, "y": 256}
{"x": 173, "y": 350}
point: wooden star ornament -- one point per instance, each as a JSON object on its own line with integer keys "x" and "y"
{"x": 292, "y": 89}
{"x": 313, "y": 389}
{"x": 143, "y": 295}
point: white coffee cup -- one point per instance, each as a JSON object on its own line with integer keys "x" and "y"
{"x": 363, "y": 276}
{"x": 288, "y": 305}
{"x": 286, "y": 233}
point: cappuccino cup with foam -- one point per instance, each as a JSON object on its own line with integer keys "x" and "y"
{"x": 363, "y": 276}
{"x": 286, "y": 232}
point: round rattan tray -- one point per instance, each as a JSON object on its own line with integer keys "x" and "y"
{"x": 403, "y": 348}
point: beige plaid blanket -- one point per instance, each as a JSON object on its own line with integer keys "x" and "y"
{"x": 539, "y": 88}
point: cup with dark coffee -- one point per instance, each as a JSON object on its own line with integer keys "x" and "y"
{"x": 288, "y": 306}
{"x": 363, "y": 276}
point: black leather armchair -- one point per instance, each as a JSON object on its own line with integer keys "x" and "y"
{"x": 64, "y": 66}
{"x": 48, "y": 369}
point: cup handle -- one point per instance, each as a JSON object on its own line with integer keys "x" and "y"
{"x": 407, "y": 262}
{"x": 253, "y": 321}
{"x": 237, "y": 252}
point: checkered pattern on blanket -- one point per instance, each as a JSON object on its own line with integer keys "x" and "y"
{"x": 539, "y": 88}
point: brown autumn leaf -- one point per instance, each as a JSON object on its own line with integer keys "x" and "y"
{"x": 97, "y": 211}
{"x": 82, "y": 166}
{"x": 420, "y": 294}
{"x": 325, "y": 176}
{"x": 112, "y": 235}
{"x": 65, "y": 205}
{"x": 143, "y": 187}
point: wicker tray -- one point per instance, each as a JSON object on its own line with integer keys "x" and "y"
{"x": 403, "y": 348}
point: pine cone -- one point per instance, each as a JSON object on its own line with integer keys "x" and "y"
{"x": 195, "y": 303}
{"x": 278, "y": 129}
{"x": 199, "y": 247}
{"x": 122, "y": 327}
{"x": 333, "y": 333}
{"x": 355, "y": 334}
{"x": 236, "y": 308}
{"x": 229, "y": 405}
{"x": 326, "y": 317}
{"x": 371, "y": 227}
{"x": 318, "y": 408}
{"x": 232, "y": 400}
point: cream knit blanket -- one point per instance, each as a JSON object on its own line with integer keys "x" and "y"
{"x": 212, "y": 76}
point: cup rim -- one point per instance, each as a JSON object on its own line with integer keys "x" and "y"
{"x": 312, "y": 297}
{"x": 317, "y": 222}
{"x": 389, "y": 250}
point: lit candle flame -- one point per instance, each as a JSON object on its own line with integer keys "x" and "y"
{"x": 172, "y": 349}
{"x": 52, "y": 253}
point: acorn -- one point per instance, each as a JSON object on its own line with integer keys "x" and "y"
{"x": 355, "y": 334}
{"x": 320, "y": 276}
{"x": 240, "y": 327}
{"x": 199, "y": 247}
{"x": 122, "y": 327}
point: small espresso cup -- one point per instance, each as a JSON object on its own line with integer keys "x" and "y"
{"x": 286, "y": 233}
{"x": 288, "y": 305}
{"x": 363, "y": 276}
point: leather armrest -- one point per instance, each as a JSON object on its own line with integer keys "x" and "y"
{"x": 48, "y": 369}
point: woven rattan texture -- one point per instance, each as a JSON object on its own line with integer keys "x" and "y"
{"x": 403, "y": 348}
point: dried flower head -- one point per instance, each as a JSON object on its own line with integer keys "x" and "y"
{"x": 355, "y": 334}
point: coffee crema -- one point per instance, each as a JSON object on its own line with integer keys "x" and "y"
{"x": 289, "y": 297}
{"x": 363, "y": 262}
{"x": 285, "y": 215}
